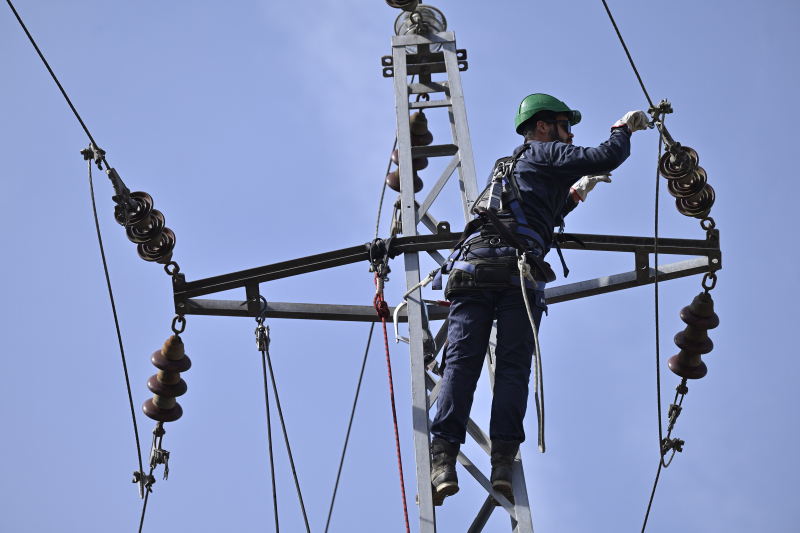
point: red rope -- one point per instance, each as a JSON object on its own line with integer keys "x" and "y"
{"x": 382, "y": 309}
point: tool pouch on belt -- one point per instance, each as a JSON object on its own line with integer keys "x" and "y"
{"x": 490, "y": 274}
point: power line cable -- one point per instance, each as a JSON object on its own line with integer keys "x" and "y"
{"x": 628, "y": 54}
{"x": 269, "y": 440}
{"x": 383, "y": 191}
{"x": 286, "y": 438}
{"x": 144, "y": 508}
{"x": 102, "y": 251}
{"x": 51, "y": 72}
{"x": 658, "y": 350}
{"x": 350, "y": 425}
{"x": 116, "y": 322}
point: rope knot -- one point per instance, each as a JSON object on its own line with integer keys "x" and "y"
{"x": 381, "y": 307}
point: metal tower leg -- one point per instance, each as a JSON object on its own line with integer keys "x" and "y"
{"x": 424, "y": 63}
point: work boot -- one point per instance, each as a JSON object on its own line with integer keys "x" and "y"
{"x": 443, "y": 469}
{"x": 503, "y": 455}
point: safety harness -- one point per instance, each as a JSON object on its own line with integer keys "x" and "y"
{"x": 480, "y": 260}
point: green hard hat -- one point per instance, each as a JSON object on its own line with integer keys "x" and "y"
{"x": 534, "y": 103}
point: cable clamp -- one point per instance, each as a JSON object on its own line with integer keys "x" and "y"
{"x": 145, "y": 482}
{"x": 668, "y": 444}
{"x": 158, "y": 455}
{"x": 262, "y": 337}
{"x": 673, "y": 413}
{"x": 94, "y": 153}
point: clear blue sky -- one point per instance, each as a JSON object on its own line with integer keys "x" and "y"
{"x": 262, "y": 131}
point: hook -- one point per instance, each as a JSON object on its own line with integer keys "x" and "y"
{"x": 262, "y": 315}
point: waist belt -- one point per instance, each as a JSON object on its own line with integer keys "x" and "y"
{"x": 453, "y": 262}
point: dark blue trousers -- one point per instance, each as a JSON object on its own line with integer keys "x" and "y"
{"x": 470, "y": 325}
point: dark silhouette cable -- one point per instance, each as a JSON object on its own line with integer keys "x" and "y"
{"x": 350, "y": 425}
{"x": 286, "y": 438}
{"x": 99, "y": 240}
{"x": 51, "y": 72}
{"x": 658, "y": 351}
{"x": 144, "y": 508}
{"x": 269, "y": 439}
{"x": 116, "y": 323}
{"x": 628, "y": 54}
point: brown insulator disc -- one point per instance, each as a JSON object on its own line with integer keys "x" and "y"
{"x": 393, "y": 181}
{"x": 672, "y": 171}
{"x": 418, "y": 123}
{"x": 144, "y": 205}
{"x": 685, "y": 371}
{"x": 162, "y": 363}
{"x": 698, "y": 208}
{"x": 162, "y": 389}
{"x": 418, "y": 163}
{"x": 689, "y": 188}
{"x": 161, "y": 252}
{"x": 421, "y": 140}
{"x": 149, "y": 234}
{"x": 698, "y": 321}
{"x": 162, "y": 415}
{"x": 691, "y": 346}
{"x": 173, "y": 348}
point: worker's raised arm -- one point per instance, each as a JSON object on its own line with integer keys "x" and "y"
{"x": 570, "y": 161}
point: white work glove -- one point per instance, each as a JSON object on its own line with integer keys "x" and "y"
{"x": 635, "y": 120}
{"x": 586, "y": 184}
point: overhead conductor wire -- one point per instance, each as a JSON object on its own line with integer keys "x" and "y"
{"x": 658, "y": 361}
{"x": 628, "y": 54}
{"x": 350, "y": 425}
{"x": 99, "y": 238}
{"x": 658, "y": 352}
{"x": 102, "y": 251}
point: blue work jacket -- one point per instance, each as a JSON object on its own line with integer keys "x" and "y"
{"x": 547, "y": 170}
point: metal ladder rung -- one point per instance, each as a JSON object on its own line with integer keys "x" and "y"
{"x": 432, "y": 103}
{"x": 430, "y": 87}
{"x": 436, "y": 150}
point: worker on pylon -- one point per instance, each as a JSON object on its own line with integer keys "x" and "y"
{"x": 528, "y": 195}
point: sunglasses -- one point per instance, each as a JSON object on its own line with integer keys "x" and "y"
{"x": 567, "y": 125}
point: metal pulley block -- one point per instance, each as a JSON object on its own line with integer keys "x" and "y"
{"x": 693, "y": 341}
{"x": 171, "y": 360}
